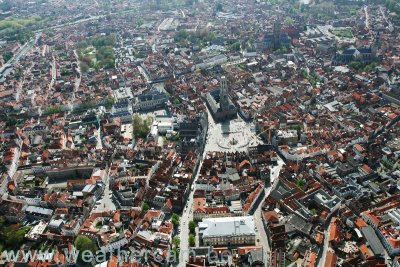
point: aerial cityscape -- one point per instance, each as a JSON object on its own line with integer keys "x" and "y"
{"x": 197, "y": 133}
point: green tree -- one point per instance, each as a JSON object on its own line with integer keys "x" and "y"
{"x": 181, "y": 35}
{"x": 97, "y": 52}
{"x": 175, "y": 252}
{"x": 84, "y": 243}
{"x": 192, "y": 227}
{"x": 314, "y": 212}
{"x": 88, "y": 105}
{"x": 192, "y": 240}
{"x": 176, "y": 241}
{"x": 7, "y": 56}
{"x": 140, "y": 22}
{"x": 235, "y": 47}
{"x": 12, "y": 236}
{"x": 288, "y": 21}
{"x": 53, "y": 110}
{"x": 15, "y": 239}
{"x": 283, "y": 49}
{"x": 393, "y": 5}
{"x": 3, "y": 167}
{"x": 301, "y": 183}
{"x": 370, "y": 67}
{"x": 84, "y": 67}
{"x": 175, "y": 220}
{"x": 141, "y": 127}
{"x": 313, "y": 78}
{"x": 109, "y": 101}
{"x": 11, "y": 121}
{"x": 145, "y": 207}
{"x": 65, "y": 72}
{"x": 356, "y": 65}
{"x": 176, "y": 101}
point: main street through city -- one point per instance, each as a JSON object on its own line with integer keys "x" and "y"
{"x": 187, "y": 214}
{"x": 216, "y": 132}
{"x": 105, "y": 203}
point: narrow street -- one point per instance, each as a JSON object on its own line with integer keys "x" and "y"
{"x": 261, "y": 233}
{"x": 325, "y": 248}
{"x": 366, "y": 18}
{"x": 144, "y": 73}
{"x": 14, "y": 164}
{"x": 22, "y": 82}
{"x": 390, "y": 25}
{"x": 99, "y": 144}
{"x": 53, "y": 73}
{"x": 78, "y": 79}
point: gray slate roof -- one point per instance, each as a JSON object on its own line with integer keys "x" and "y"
{"x": 227, "y": 226}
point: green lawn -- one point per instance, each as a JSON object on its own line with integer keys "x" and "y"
{"x": 99, "y": 225}
{"x": 342, "y": 32}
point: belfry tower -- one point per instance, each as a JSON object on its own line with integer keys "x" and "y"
{"x": 277, "y": 34}
{"x": 223, "y": 95}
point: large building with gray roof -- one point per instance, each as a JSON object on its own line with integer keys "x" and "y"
{"x": 373, "y": 240}
{"x": 231, "y": 231}
{"x": 150, "y": 101}
{"x": 34, "y": 212}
